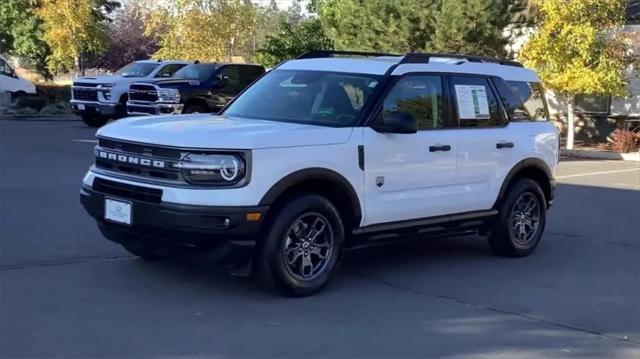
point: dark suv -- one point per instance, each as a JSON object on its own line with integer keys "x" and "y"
{"x": 200, "y": 87}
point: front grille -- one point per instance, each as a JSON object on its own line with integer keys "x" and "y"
{"x": 88, "y": 95}
{"x": 116, "y": 156}
{"x": 141, "y": 109}
{"x": 140, "y": 149}
{"x": 127, "y": 191}
{"x": 84, "y": 84}
{"x": 141, "y": 92}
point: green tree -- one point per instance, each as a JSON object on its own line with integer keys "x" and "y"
{"x": 473, "y": 26}
{"x": 578, "y": 48}
{"x": 292, "y": 40}
{"x": 21, "y": 35}
{"x": 204, "y": 29}
{"x": 74, "y": 29}
{"x": 378, "y": 25}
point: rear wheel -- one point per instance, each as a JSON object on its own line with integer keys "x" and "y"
{"x": 94, "y": 120}
{"x": 521, "y": 220}
{"x": 303, "y": 246}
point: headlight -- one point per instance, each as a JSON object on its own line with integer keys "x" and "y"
{"x": 106, "y": 90}
{"x": 214, "y": 169}
{"x": 169, "y": 95}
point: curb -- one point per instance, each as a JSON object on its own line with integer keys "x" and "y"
{"x": 602, "y": 155}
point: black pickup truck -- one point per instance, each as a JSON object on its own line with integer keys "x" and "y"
{"x": 200, "y": 87}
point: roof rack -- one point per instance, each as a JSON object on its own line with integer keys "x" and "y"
{"x": 417, "y": 58}
{"x": 332, "y": 53}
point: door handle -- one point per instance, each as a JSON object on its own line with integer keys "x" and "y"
{"x": 443, "y": 148}
{"x": 504, "y": 145}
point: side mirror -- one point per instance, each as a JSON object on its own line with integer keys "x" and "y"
{"x": 396, "y": 122}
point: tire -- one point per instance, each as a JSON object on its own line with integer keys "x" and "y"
{"x": 146, "y": 252}
{"x": 194, "y": 109}
{"x": 94, "y": 120}
{"x": 521, "y": 220}
{"x": 290, "y": 257}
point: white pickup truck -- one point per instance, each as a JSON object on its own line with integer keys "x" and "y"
{"x": 98, "y": 99}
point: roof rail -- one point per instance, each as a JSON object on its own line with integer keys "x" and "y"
{"x": 332, "y": 53}
{"x": 417, "y": 58}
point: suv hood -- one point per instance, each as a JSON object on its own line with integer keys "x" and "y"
{"x": 220, "y": 132}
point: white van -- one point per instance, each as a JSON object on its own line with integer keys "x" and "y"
{"x": 11, "y": 83}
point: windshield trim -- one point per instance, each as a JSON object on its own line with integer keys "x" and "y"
{"x": 365, "y": 111}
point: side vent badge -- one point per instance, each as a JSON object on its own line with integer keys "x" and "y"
{"x": 380, "y": 181}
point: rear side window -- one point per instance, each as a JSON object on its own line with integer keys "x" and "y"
{"x": 527, "y": 101}
{"x": 420, "y": 96}
{"x": 476, "y": 103}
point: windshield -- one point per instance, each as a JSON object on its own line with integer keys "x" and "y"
{"x": 313, "y": 97}
{"x": 200, "y": 72}
{"x": 137, "y": 69}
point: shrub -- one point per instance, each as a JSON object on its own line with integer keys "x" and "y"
{"x": 624, "y": 141}
{"x": 54, "y": 93}
{"x": 34, "y": 102}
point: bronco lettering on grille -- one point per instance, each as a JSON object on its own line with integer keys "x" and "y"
{"x": 130, "y": 159}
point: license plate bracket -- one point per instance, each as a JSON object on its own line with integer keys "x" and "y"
{"x": 118, "y": 211}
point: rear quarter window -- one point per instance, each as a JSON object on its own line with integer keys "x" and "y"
{"x": 524, "y": 100}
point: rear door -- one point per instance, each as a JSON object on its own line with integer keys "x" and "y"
{"x": 487, "y": 146}
{"x": 410, "y": 176}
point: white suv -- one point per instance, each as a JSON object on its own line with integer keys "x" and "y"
{"x": 328, "y": 152}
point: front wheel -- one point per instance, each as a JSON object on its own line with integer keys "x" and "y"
{"x": 303, "y": 246}
{"x": 94, "y": 120}
{"x": 521, "y": 220}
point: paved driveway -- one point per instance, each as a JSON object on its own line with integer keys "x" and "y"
{"x": 66, "y": 292}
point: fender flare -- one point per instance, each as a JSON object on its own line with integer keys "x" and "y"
{"x": 317, "y": 174}
{"x": 531, "y": 162}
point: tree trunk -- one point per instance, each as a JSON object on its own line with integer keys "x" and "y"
{"x": 571, "y": 122}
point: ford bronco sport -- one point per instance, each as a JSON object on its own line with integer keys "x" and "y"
{"x": 330, "y": 151}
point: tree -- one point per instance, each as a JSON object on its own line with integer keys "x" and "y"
{"x": 578, "y": 48}
{"x": 473, "y": 26}
{"x": 74, "y": 29}
{"x": 378, "y": 25}
{"x": 292, "y": 40}
{"x": 127, "y": 40}
{"x": 204, "y": 29}
{"x": 21, "y": 35}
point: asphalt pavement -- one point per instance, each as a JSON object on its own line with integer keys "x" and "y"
{"x": 67, "y": 292}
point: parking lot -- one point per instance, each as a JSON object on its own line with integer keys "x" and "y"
{"x": 67, "y": 292}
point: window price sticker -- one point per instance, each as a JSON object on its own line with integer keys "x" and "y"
{"x": 472, "y": 101}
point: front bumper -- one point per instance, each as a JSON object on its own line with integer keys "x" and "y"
{"x": 189, "y": 227}
{"x": 95, "y": 107}
{"x": 156, "y": 108}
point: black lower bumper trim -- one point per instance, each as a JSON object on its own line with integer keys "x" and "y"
{"x": 203, "y": 227}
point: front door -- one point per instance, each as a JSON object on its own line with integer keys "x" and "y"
{"x": 410, "y": 176}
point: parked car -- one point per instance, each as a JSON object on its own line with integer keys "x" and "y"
{"x": 98, "y": 99}
{"x": 325, "y": 153}
{"x": 13, "y": 84}
{"x": 201, "y": 87}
